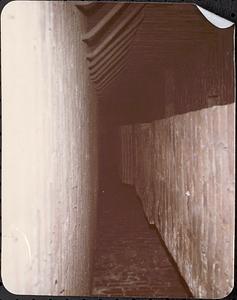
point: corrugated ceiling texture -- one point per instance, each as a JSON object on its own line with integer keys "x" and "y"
{"x": 184, "y": 174}
{"x": 110, "y": 32}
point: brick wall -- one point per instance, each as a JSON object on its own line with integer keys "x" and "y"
{"x": 184, "y": 175}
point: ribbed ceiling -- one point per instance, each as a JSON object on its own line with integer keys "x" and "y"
{"x": 144, "y": 57}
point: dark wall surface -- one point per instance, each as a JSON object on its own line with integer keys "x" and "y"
{"x": 179, "y": 62}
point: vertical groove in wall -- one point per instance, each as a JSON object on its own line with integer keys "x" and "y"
{"x": 49, "y": 152}
{"x": 126, "y": 157}
{"x": 184, "y": 173}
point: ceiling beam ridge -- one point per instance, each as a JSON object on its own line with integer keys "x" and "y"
{"x": 101, "y": 87}
{"x": 104, "y": 63}
{"x": 112, "y": 63}
{"x": 86, "y": 4}
{"x": 87, "y": 7}
{"x": 111, "y": 74}
{"x": 99, "y": 28}
{"x": 116, "y": 43}
{"x": 116, "y": 32}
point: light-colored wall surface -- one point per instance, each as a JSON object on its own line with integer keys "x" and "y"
{"x": 190, "y": 190}
{"x": 49, "y": 151}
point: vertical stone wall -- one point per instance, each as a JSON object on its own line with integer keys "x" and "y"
{"x": 127, "y": 158}
{"x": 184, "y": 174}
{"x": 143, "y": 167}
{"x": 49, "y": 150}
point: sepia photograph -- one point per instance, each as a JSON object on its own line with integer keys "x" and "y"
{"x": 118, "y": 149}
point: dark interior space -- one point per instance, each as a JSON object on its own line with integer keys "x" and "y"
{"x": 172, "y": 67}
{"x": 130, "y": 258}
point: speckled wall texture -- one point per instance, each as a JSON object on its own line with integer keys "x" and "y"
{"x": 184, "y": 175}
{"x": 49, "y": 150}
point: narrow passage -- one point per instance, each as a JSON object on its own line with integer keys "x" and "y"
{"x": 130, "y": 259}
